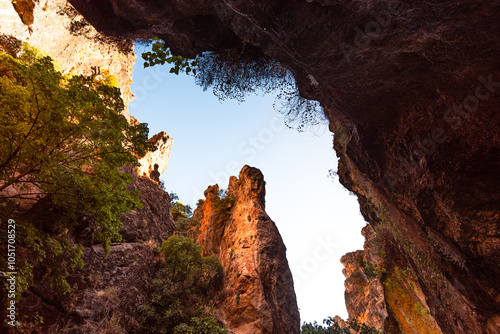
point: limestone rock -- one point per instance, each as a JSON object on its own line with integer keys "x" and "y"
{"x": 154, "y": 164}
{"x": 153, "y": 222}
{"x": 56, "y": 28}
{"x": 257, "y": 295}
{"x": 411, "y": 90}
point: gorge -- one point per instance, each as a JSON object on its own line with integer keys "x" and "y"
{"x": 411, "y": 91}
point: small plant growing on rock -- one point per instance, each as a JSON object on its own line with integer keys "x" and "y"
{"x": 178, "y": 209}
{"x": 222, "y": 204}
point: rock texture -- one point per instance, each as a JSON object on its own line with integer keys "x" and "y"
{"x": 110, "y": 287}
{"x": 364, "y": 293}
{"x": 411, "y": 89}
{"x": 159, "y": 156}
{"x": 153, "y": 222}
{"x": 107, "y": 291}
{"x": 56, "y": 28}
{"x": 377, "y": 285}
{"x": 257, "y": 296}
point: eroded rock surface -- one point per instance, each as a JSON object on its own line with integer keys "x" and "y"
{"x": 158, "y": 157}
{"x": 57, "y": 29}
{"x": 257, "y": 296}
{"x": 412, "y": 92}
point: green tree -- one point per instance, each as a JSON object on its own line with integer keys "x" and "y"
{"x": 63, "y": 139}
{"x": 331, "y": 327}
{"x": 160, "y": 54}
{"x": 180, "y": 291}
{"x": 178, "y": 209}
{"x": 206, "y": 324}
{"x": 188, "y": 227}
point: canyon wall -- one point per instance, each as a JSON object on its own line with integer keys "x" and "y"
{"x": 107, "y": 291}
{"x": 411, "y": 89}
{"x": 257, "y": 296}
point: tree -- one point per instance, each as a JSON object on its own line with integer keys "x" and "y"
{"x": 63, "y": 139}
{"x": 160, "y": 54}
{"x": 180, "y": 291}
{"x": 178, "y": 209}
{"x": 331, "y": 327}
{"x": 206, "y": 324}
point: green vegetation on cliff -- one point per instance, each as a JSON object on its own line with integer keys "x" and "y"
{"x": 331, "y": 327}
{"x": 62, "y": 141}
{"x": 237, "y": 72}
{"x": 179, "y": 301}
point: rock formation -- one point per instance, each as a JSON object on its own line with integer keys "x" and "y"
{"x": 60, "y": 31}
{"x": 257, "y": 296}
{"x": 411, "y": 89}
{"x": 111, "y": 286}
{"x": 159, "y": 156}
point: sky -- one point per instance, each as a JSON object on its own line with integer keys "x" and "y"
{"x": 317, "y": 218}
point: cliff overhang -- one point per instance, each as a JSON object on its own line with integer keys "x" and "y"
{"x": 412, "y": 92}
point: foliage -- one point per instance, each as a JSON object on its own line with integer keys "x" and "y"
{"x": 222, "y": 204}
{"x": 331, "y": 327}
{"x": 180, "y": 291}
{"x": 178, "y": 209}
{"x": 185, "y": 263}
{"x": 62, "y": 139}
{"x": 188, "y": 227}
{"x": 206, "y": 324}
{"x": 234, "y": 73}
{"x": 160, "y": 54}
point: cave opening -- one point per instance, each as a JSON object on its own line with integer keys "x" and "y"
{"x": 318, "y": 219}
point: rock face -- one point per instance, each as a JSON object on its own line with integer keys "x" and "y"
{"x": 364, "y": 293}
{"x": 159, "y": 157}
{"x": 107, "y": 291}
{"x": 110, "y": 287}
{"x": 152, "y": 223}
{"x": 412, "y": 92}
{"x": 257, "y": 296}
{"x": 59, "y": 30}
{"x": 382, "y": 294}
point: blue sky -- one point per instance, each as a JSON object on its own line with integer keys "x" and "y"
{"x": 317, "y": 218}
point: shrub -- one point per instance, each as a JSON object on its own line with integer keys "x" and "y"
{"x": 205, "y": 324}
{"x": 178, "y": 209}
{"x": 331, "y": 327}
{"x": 222, "y": 204}
{"x": 188, "y": 227}
{"x": 180, "y": 292}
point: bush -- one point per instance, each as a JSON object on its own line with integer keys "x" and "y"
{"x": 206, "y": 324}
{"x": 222, "y": 204}
{"x": 178, "y": 209}
{"x": 180, "y": 292}
{"x": 188, "y": 227}
{"x": 331, "y": 327}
